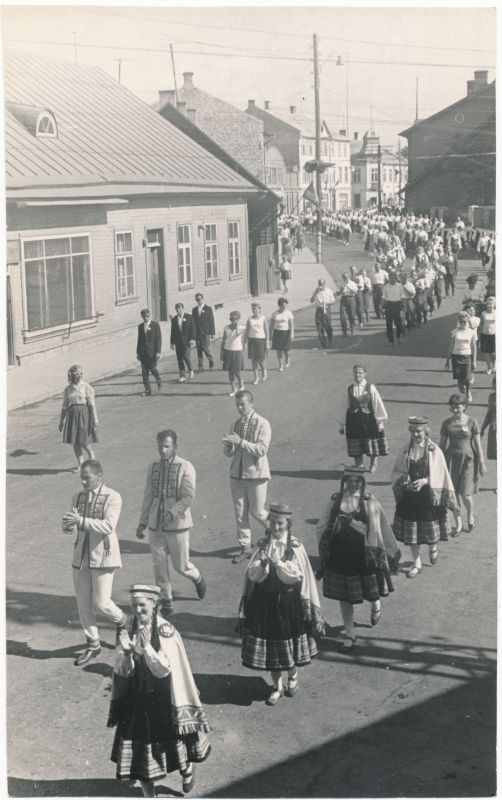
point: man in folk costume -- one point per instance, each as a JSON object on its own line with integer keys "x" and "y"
{"x": 280, "y": 610}
{"x": 357, "y": 549}
{"x": 94, "y": 516}
{"x": 424, "y": 492}
{"x": 248, "y": 445}
{"x": 169, "y": 492}
{"x": 161, "y": 725}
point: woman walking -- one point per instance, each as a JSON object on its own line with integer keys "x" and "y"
{"x": 490, "y": 422}
{"x": 257, "y": 339}
{"x": 232, "y": 347}
{"x": 161, "y": 725}
{"x": 462, "y": 354}
{"x": 362, "y": 420}
{"x": 79, "y": 417}
{"x": 357, "y": 549}
{"x": 285, "y": 271}
{"x": 280, "y": 609}
{"x": 461, "y": 443}
{"x": 424, "y": 492}
{"x": 282, "y": 328}
{"x": 487, "y": 330}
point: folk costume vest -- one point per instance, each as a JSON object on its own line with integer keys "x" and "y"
{"x": 89, "y": 550}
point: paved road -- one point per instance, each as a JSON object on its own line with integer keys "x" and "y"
{"x": 411, "y": 712}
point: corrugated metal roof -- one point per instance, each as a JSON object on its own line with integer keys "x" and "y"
{"x": 105, "y": 134}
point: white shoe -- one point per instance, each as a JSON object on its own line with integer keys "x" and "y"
{"x": 232, "y": 394}
{"x": 191, "y": 373}
{"x": 256, "y": 382}
{"x": 281, "y": 369}
{"x": 288, "y": 363}
{"x": 181, "y": 380}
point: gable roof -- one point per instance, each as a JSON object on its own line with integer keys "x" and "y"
{"x": 488, "y": 90}
{"x": 109, "y": 141}
{"x": 304, "y": 124}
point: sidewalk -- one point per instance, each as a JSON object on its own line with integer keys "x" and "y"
{"x": 47, "y": 377}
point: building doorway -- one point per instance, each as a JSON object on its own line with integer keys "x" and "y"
{"x": 157, "y": 296}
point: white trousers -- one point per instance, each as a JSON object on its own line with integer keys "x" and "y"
{"x": 177, "y": 545}
{"x": 93, "y": 590}
{"x": 249, "y": 497}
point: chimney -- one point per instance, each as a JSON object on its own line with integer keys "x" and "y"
{"x": 188, "y": 80}
{"x": 480, "y": 81}
{"x": 356, "y": 136}
{"x": 192, "y": 115}
{"x": 268, "y": 105}
{"x": 166, "y": 96}
{"x": 343, "y": 132}
{"x": 251, "y": 103}
{"x": 182, "y": 107}
{"x": 292, "y": 109}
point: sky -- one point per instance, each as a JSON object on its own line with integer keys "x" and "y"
{"x": 265, "y": 53}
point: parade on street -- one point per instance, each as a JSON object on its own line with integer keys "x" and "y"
{"x": 251, "y": 518}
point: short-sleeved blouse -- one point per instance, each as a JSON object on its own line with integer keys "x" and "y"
{"x": 76, "y": 394}
{"x": 459, "y": 435}
{"x": 256, "y": 327}
{"x": 488, "y": 323}
{"x": 234, "y": 338}
{"x": 462, "y": 339}
{"x": 281, "y": 320}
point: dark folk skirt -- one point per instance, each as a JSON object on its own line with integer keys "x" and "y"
{"x": 78, "y": 426}
{"x": 275, "y": 636}
{"x": 145, "y": 748}
{"x": 346, "y": 574}
{"x": 418, "y": 521}
{"x": 363, "y": 436}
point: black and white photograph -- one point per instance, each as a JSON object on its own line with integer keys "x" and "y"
{"x": 250, "y": 401}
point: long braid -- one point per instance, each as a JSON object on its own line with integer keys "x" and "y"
{"x": 154, "y": 636}
{"x": 288, "y": 552}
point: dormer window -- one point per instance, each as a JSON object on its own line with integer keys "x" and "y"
{"x": 46, "y": 126}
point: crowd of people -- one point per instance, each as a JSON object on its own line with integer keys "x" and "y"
{"x": 160, "y": 723}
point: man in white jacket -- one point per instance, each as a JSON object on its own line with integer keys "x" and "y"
{"x": 169, "y": 492}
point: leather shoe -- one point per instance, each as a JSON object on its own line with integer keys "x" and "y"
{"x": 201, "y": 588}
{"x": 187, "y": 782}
{"x": 88, "y": 654}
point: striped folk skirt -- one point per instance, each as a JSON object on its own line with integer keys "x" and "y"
{"x": 418, "y": 521}
{"x": 275, "y": 636}
{"x": 363, "y": 436}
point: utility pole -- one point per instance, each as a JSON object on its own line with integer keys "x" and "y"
{"x": 399, "y": 167}
{"x": 379, "y": 178}
{"x": 347, "y": 93}
{"x": 318, "y": 186}
{"x": 174, "y": 74}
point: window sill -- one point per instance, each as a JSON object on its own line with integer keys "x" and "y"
{"x": 126, "y": 300}
{"x": 48, "y": 333}
{"x": 184, "y": 286}
{"x": 210, "y": 281}
{"x": 235, "y": 277}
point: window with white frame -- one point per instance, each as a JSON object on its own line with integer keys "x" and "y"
{"x": 234, "y": 249}
{"x": 124, "y": 266}
{"x": 57, "y": 278}
{"x": 184, "y": 255}
{"x": 211, "y": 252}
{"x": 46, "y": 126}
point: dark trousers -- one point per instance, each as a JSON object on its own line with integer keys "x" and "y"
{"x": 420, "y": 308}
{"x": 430, "y": 298}
{"x": 347, "y": 312}
{"x": 149, "y": 365}
{"x": 366, "y": 304}
{"x": 377, "y": 291}
{"x": 359, "y": 307}
{"x": 204, "y": 348}
{"x": 393, "y": 316}
{"x": 449, "y": 283}
{"x": 183, "y": 356}
{"x": 323, "y": 325}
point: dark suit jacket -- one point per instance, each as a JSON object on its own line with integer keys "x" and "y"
{"x": 182, "y": 337}
{"x": 203, "y": 322}
{"x": 148, "y": 346}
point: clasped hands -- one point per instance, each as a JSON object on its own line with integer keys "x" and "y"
{"x": 232, "y": 438}
{"x": 141, "y": 641}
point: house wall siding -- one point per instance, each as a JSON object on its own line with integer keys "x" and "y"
{"x": 118, "y": 318}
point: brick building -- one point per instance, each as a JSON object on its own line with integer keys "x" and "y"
{"x": 451, "y": 154}
{"x": 109, "y": 208}
{"x": 238, "y": 134}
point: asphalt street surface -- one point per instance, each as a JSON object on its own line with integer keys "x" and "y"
{"x": 411, "y": 712}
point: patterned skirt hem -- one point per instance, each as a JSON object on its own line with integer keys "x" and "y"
{"x": 422, "y": 532}
{"x": 356, "y": 589}
{"x": 277, "y": 654}
{"x": 368, "y": 447}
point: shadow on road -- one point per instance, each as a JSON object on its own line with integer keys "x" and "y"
{"x": 237, "y": 690}
{"x": 34, "y": 471}
{"x": 380, "y": 760}
{"x": 311, "y": 474}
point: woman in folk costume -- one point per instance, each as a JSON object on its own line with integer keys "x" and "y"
{"x": 161, "y": 725}
{"x": 358, "y": 550}
{"x": 279, "y": 610}
{"x": 361, "y": 419}
{"x": 424, "y": 492}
